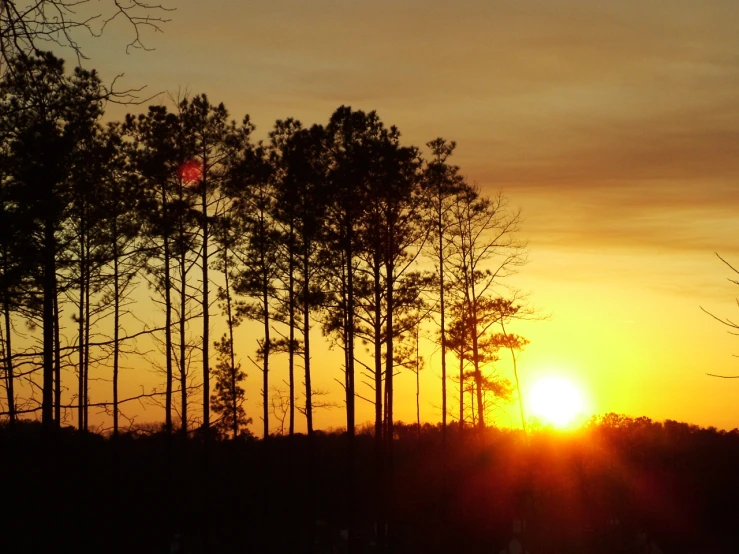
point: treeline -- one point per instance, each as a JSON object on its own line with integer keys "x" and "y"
{"x": 337, "y": 226}
{"x": 594, "y": 491}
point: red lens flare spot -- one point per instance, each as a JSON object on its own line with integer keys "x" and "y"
{"x": 190, "y": 172}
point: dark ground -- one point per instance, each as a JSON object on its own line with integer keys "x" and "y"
{"x": 72, "y": 492}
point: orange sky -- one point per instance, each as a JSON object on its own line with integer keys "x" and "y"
{"x": 614, "y": 125}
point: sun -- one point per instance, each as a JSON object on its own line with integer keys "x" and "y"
{"x": 556, "y": 400}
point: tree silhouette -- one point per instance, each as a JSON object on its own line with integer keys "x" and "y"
{"x": 86, "y": 235}
{"x": 441, "y": 181}
{"x": 348, "y": 134}
{"x": 286, "y": 207}
{"x": 154, "y": 158}
{"x": 325, "y": 222}
{"x": 15, "y": 263}
{"x": 252, "y": 200}
{"x": 211, "y": 139}
{"x": 402, "y": 240}
{"x": 408, "y": 355}
{"x": 125, "y": 253}
{"x": 185, "y": 247}
{"x": 349, "y": 139}
{"x": 45, "y": 117}
{"x": 23, "y": 27}
{"x": 508, "y": 310}
{"x": 458, "y": 341}
{"x": 228, "y": 395}
{"x": 298, "y": 156}
{"x": 484, "y": 250}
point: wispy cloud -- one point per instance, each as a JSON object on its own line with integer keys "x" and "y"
{"x": 612, "y": 123}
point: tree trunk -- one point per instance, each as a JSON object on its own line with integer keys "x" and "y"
{"x": 472, "y": 305}
{"x": 49, "y": 288}
{"x": 183, "y": 307}
{"x": 81, "y": 340}
{"x": 9, "y": 360}
{"x": 461, "y": 392}
{"x": 478, "y": 381}
{"x": 230, "y": 323}
{"x": 379, "y": 420}
{"x": 206, "y": 361}
{"x": 183, "y": 351}
{"x": 9, "y": 378}
{"x": 476, "y": 361}
{"x": 418, "y": 382}
{"x": 167, "y": 317}
{"x": 116, "y": 315}
{"x": 350, "y": 424}
{"x": 291, "y": 324}
{"x": 265, "y": 370}
{"x": 518, "y": 384}
{"x": 443, "y": 323}
{"x": 350, "y": 413}
{"x": 57, "y": 363}
{"x": 206, "y": 309}
{"x": 87, "y": 331}
{"x": 168, "y": 338}
{"x": 389, "y": 352}
{"x": 266, "y": 349}
{"x": 306, "y": 339}
{"x": 389, "y": 378}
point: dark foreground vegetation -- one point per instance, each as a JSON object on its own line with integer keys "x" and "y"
{"x": 590, "y": 491}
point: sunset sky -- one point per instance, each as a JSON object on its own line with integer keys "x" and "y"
{"x": 613, "y": 125}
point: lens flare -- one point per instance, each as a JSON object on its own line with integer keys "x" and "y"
{"x": 190, "y": 172}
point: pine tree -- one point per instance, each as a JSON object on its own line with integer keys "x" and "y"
{"x": 154, "y": 160}
{"x": 46, "y": 116}
{"x": 251, "y": 200}
{"x": 228, "y": 397}
{"x": 484, "y": 251}
{"x": 210, "y": 138}
{"x": 440, "y": 182}
{"x": 301, "y": 198}
{"x": 125, "y": 254}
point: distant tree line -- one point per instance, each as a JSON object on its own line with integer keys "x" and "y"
{"x": 337, "y": 226}
{"x": 593, "y": 491}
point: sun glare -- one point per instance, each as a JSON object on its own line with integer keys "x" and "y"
{"x": 556, "y": 400}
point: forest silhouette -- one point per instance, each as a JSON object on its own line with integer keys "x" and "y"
{"x": 597, "y": 490}
{"x": 336, "y": 227}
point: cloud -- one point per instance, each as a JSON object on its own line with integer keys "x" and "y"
{"x": 611, "y": 123}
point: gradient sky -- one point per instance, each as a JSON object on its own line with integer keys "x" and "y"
{"x": 613, "y": 125}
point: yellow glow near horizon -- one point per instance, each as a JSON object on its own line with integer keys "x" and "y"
{"x": 556, "y": 400}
